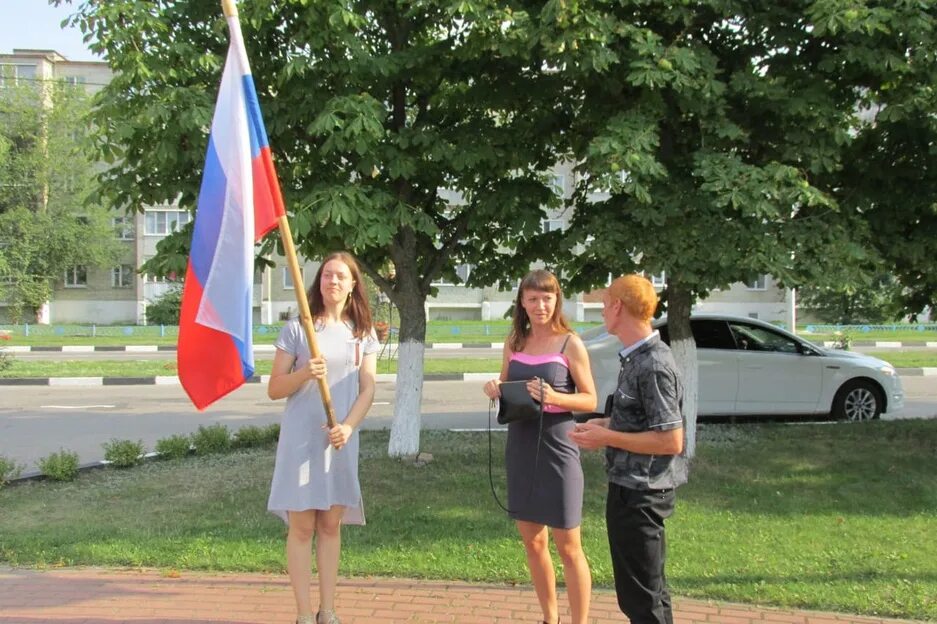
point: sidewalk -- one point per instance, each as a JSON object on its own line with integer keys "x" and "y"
{"x": 104, "y": 596}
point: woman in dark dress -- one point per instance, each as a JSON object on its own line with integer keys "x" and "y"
{"x": 544, "y": 474}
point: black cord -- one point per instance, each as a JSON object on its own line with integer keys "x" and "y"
{"x": 491, "y": 480}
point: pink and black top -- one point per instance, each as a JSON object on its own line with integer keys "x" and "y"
{"x": 553, "y": 368}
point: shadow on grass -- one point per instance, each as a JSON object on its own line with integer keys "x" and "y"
{"x": 867, "y": 469}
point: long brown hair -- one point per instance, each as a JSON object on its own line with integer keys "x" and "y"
{"x": 543, "y": 281}
{"x": 357, "y": 308}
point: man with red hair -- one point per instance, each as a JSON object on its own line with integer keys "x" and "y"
{"x": 643, "y": 437}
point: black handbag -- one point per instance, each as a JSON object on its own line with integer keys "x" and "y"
{"x": 516, "y": 404}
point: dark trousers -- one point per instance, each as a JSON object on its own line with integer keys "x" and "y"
{"x": 635, "y": 520}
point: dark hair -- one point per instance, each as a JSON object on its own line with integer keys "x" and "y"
{"x": 544, "y": 281}
{"x": 357, "y": 308}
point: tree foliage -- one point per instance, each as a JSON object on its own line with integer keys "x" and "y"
{"x": 372, "y": 108}
{"x": 878, "y": 301}
{"x": 719, "y": 140}
{"x": 165, "y": 309}
{"x": 50, "y": 217}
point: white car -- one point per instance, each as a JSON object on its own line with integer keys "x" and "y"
{"x": 750, "y": 367}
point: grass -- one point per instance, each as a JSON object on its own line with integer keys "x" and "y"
{"x": 897, "y": 335}
{"x": 908, "y": 359}
{"x": 436, "y": 331}
{"x": 828, "y": 517}
{"x": 45, "y": 335}
{"x": 23, "y": 368}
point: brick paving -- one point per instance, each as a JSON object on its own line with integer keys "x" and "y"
{"x": 107, "y": 596}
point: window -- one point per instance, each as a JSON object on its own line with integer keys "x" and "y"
{"x": 11, "y": 74}
{"x": 76, "y": 277}
{"x": 558, "y": 185}
{"x": 122, "y": 276}
{"x": 550, "y": 225}
{"x": 74, "y": 80}
{"x": 164, "y": 222}
{"x": 123, "y": 227}
{"x": 152, "y": 279}
{"x": 659, "y": 280}
{"x": 461, "y": 270}
{"x": 755, "y": 338}
{"x": 288, "y": 278}
{"x": 707, "y": 334}
{"x": 759, "y": 283}
{"x": 712, "y": 335}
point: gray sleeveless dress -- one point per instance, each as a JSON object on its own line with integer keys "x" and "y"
{"x": 309, "y": 473}
{"x": 545, "y": 487}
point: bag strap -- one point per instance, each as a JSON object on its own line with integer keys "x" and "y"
{"x": 491, "y": 480}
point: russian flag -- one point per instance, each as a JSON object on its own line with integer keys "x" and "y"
{"x": 238, "y": 203}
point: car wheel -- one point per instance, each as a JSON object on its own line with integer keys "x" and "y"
{"x": 858, "y": 400}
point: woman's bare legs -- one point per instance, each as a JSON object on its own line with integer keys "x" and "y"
{"x": 537, "y": 546}
{"x": 328, "y": 553}
{"x": 302, "y": 527}
{"x": 575, "y": 571}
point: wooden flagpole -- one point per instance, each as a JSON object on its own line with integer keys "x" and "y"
{"x": 305, "y": 315}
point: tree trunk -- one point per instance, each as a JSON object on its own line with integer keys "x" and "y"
{"x": 405, "y": 429}
{"x": 679, "y": 303}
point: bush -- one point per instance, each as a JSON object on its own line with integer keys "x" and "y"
{"x": 9, "y": 470}
{"x": 61, "y": 466}
{"x": 272, "y": 433}
{"x": 252, "y": 435}
{"x": 211, "y": 439}
{"x": 124, "y": 453}
{"x": 174, "y": 446}
{"x": 247, "y": 437}
{"x": 165, "y": 309}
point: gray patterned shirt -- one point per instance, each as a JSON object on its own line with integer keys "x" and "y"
{"x": 648, "y": 398}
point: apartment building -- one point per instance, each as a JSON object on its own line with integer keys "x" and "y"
{"x": 120, "y": 294}
{"x": 762, "y": 299}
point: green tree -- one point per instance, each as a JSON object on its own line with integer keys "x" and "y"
{"x": 371, "y": 108}
{"x": 50, "y": 217}
{"x": 165, "y": 309}
{"x": 722, "y": 140}
{"x": 878, "y": 301}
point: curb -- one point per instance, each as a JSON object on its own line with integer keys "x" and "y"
{"x": 168, "y": 380}
{"x": 439, "y": 346}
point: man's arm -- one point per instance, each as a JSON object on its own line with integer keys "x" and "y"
{"x": 594, "y": 435}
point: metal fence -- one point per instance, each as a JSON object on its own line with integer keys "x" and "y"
{"x": 437, "y": 331}
{"x": 866, "y": 329}
{"x": 27, "y": 330}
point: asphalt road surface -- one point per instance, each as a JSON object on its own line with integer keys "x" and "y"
{"x": 38, "y": 420}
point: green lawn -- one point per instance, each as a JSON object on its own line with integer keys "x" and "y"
{"x": 829, "y": 517}
{"x": 436, "y": 331}
{"x": 21, "y": 367}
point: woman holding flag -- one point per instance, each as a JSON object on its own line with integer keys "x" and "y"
{"x": 315, "y": 486}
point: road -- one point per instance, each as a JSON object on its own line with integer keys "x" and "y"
{"x": 38, "y": 420}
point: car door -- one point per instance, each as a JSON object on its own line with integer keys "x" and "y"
{"x": 776, "y": 376}
{"x": 717, "y": 364}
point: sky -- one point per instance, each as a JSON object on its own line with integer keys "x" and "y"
{"x": 34, "y": 24}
